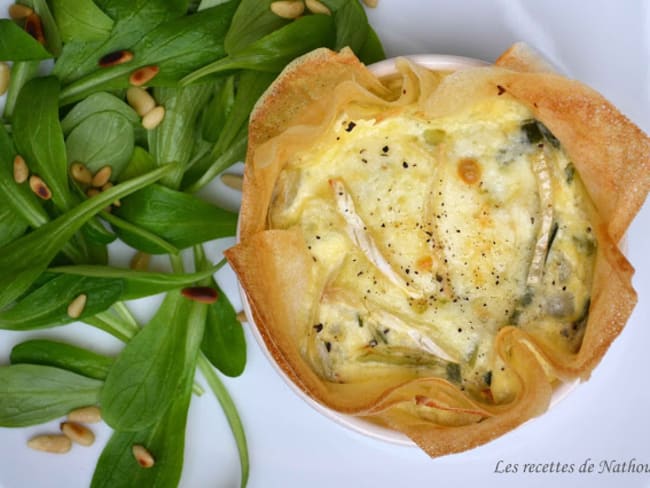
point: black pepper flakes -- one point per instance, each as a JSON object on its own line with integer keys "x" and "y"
{"x": 350, "y": 126}
{"x": 405, "y": 164}
{"x": 318, "y": 328}
{"x": 328, "y": 346}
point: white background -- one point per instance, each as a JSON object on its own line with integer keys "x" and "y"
{"x": 606, "y": 44}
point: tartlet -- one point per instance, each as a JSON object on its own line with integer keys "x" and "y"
{"x": 434, "y": 252}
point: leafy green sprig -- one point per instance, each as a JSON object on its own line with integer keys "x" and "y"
{"x": 214, "y": 59}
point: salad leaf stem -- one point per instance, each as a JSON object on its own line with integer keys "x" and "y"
{"x": 230, "y": 410}
{"x": 143, "y": 234}
{"x": 113, "y": 326}
{"x": 21, "y": 73}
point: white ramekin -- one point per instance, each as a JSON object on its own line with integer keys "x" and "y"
{"x": 383, "y": 68}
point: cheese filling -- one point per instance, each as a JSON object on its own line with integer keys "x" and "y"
{"x": 428, "y": 236}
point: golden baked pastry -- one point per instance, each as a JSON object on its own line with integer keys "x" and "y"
{"x": 436, "y": 251}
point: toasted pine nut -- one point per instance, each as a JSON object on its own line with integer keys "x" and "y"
{"x": 241, "y": 317}
{"x": 107, "y": 186}
{"x": 57, "y": 444}
{"x": 115, "y": 58}
{"x": 143, "y": 75}
{"x": 316, "y": 7}
{"x": 153, "y": 118}
{"x": 34, "y": 27}
{"x": 140, "y": 100}
{"x": 19, "y": 12}
{"x": 81, "y": 174}
{"x": 39, "y": 187}
{"x": 5, "y": 77}
{"x": 21, "y": 171}
{"x": 102, "y": 176}
{"x": 288, "y": 9}
{"x": 78, "y": 433}
{"x": 201, "y": 294}
{"x": 76, "y": 306}
{"x": 142, "y": 456}
{"x": 236, "y": 182}
{"x": 370, "y": 3}
{"x": 87, "y": 415}
{"x": 140, "y": 261}
{"x": 92, "y": 192}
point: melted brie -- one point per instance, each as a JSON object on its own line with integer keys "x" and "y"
{"x": 429, "y": 235}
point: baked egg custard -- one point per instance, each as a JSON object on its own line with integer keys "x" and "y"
{"x": 435, "y": 252}
{"x": 429, "y": 236}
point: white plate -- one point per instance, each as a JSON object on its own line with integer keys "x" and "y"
{"x": 603, "y": 43}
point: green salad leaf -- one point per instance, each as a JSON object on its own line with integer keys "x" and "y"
{"x": 179, "y": 218}
{"x": 164, "y": 439}
{"x": 18, "y": 45}
{"x": 144, "y": 381}
{"x": 63, "y": 356}
{"x": 39, "y": 137}
{"x": 81, "y": 20}
{"x": 33, "y": 394}
{"x": 274, "y": 51}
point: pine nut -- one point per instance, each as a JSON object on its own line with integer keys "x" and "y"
{"x": 115, "y": 58}
{"x": 140, "y": 100}
{"x": 370, "y": 3}
{"x": 153, "y": 118}
{"x": 34, "y": 27}
{"x": 57, "y": 444}
{"x": 81, "y": 174}
{"x": 5, "y": 77}
{"x": 19, "y": 12}
{"x": 142, "y": 456}
{"x": 316, "y": 7}
{"x": 143, "y": 75}
{"x": 236, "y": 182}
{"x": 288, "y": 9}
{"x": 76, "y": 306}
{"x": 21, "y": 171}
{"x": 140, "y": 261}
{"x": 201, "y": 294}
{"x": 78, "y": 433}
{"x": 92, "y": 192}
{"x": 39, "y": 187}
{"x": 241, "y": 317}
{"x": 102, "y": 176}
{"x": 87, "y": 415}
